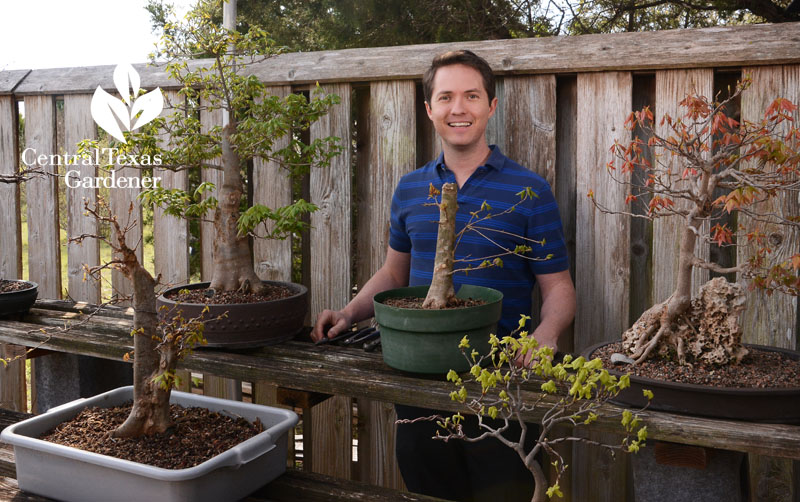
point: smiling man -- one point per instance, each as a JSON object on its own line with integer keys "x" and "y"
{"x": 460, "y": 100}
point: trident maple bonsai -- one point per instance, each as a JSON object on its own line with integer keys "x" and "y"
{"x": 704, "y": 151}
{"x": 256, "y": 121}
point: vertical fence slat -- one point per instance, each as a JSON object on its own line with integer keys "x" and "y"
{"x": 330, "y": 224}
{"x": 671, "y": 87}
{"x": 10, "y": 221}
{"x": 376, "y": 434}
{"x": 171, "y": 234}
{"x": 330, "y": 278}
{"x": 390, "y": 153}
{"x": 44, "y": 250}
{"x": 79, "y": 125}
{"x": 772, "y": 320}
{"x": 208, "y": 119}
{"x": 530, "y": 123}
{"x": 603, "y": 258}
{"x": 496, "y": 128}
{"x": 13, "y": 393}
{"x": 273, "y": 188}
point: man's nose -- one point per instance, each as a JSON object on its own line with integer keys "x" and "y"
{"x": 458, "y": 105}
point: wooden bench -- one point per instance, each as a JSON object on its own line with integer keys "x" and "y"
{"x": 292, "y": 486}
{"x": 334, "y": 370}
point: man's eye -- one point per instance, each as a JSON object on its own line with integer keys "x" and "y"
{"x": 444, "y": 98}
{"x": 474, "y": 96}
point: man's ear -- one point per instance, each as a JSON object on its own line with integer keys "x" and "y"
{"x": 492, "y": 107}
{"x": 428, "y": 109}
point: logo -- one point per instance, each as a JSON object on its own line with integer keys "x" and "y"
{"x": 130, "y": 112}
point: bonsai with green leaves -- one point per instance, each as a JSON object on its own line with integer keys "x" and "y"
{"x": 254, "y": 122}
{"x": 570, "y": 393}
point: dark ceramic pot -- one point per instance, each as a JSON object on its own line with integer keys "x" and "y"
{"x": 17, "y": 303}
{"x": 426, "y": 341}
{"x": 754, "y": 405}
{"x": 246, "y": 325}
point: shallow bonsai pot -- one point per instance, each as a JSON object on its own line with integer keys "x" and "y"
{"x": 246, "y": 324}
{"x": 18, "y": 302}
{"x": 754, "y": 405}
{"x": 426, "y": 341}
{"x": 70, "y": 474}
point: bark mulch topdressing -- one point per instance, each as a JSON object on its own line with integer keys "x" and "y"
{"x": 758, "y": 369}
{"x": 411, "y": 302}
{"x": 11, "y": 286}
{"x": 198, "y": 435}
{"x": 228, "y": 297}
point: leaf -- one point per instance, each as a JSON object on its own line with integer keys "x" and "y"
{"x": 125, "y": 79}
{"x": 106, "y": 110}
{"x": 150, "y": 105}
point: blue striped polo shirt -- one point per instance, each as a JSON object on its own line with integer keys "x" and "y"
{"x": 414, "y": 227}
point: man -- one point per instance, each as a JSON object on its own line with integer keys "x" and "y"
{"x": 460, "y": 100}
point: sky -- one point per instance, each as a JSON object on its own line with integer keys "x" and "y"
{"x": 61, "y": 33}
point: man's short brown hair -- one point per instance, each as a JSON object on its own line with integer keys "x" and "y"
{"x": 465, "y": 57}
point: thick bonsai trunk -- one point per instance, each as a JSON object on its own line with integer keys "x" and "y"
{"x": 150, "y": 413}
{"x": 233, "y": 265}
{"x": 540, "y": 490}
{"x": 441, "y": 290}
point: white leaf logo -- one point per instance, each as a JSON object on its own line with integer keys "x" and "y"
{"x": 115, "y": 115}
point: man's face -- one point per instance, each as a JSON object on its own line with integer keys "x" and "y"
{"x": 460, "y": 107}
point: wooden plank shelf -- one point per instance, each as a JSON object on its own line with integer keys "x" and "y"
{"x": 334, "y": 370}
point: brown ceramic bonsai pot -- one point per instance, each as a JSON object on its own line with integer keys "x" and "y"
{"x": 17, "y": 303}
{"x": 781, "y": 405}
{"x": 245, "y": 325}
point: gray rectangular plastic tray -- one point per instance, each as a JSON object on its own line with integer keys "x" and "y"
{"x": 69, "y": 474}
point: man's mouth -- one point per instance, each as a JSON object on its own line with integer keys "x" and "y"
{"x": 459, "y": 124}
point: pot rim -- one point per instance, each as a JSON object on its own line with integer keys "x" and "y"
{"x": 34, "y": 285}
{"x": 710, "y": 389}
{"x": 302, "y": 290}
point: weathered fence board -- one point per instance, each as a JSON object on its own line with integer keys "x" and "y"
{"x": 273, "y": 188}
{"x": 530, "y": 123}
{"x": 79, "y": 125}
{"x": 209, "y": 119}
{"x": 602, "y": 257}
{"x": 331, "y": 226}
{"x": 771, "y": 320}
{"x": 717, "y": 47}
{"x": 170, "y": 234}
{"x": 10, "y": 221}
{"x": 376, "y": 441}
{"x": 44, "y": 250}
{"x": 671, "y": 87}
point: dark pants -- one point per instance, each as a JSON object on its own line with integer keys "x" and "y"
{"x": 486, "y": 470}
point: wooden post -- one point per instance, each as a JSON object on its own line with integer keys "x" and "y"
{"x": 772, "y": 320}
{"x": 602, "y": 257}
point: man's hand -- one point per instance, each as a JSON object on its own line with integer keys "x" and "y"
{"x": 337, "y": 320}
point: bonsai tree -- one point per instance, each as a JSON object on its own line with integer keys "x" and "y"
{"x": 441, "y": 291}
{"x": 256, "y": 120}
{"x": 157, "y": 346}
{"x": 702, "y": 152}
{"x": 573, "y": 393}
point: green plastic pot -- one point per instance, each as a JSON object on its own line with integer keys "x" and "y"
{"x": 426, "y": 341}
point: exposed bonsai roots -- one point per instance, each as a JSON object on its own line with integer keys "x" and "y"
{"x": 705, "y": 330}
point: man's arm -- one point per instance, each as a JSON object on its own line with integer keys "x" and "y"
{"x": 558, "y": 307}
{"x": 393, "y": 274}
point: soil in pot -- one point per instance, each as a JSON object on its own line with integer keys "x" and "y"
{"x": 198, "y": 435}
{"x": 758, "y": 369}
{"x": 415, "y": 302}
{"x": 11, "y": 286}
{"x": 209, "y": 296}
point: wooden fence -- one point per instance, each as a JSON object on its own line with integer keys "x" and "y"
{"x": 563, "y": 102}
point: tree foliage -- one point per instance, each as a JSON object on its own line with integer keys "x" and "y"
{"x": 307, "y": 25}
